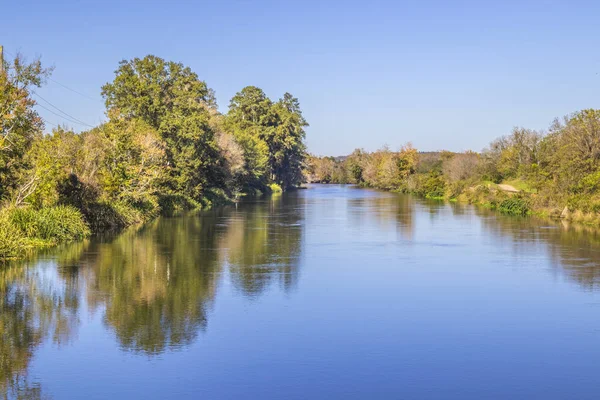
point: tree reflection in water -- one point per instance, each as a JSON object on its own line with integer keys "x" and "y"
{"x": 155, "y": 285}
{"x": 33, "y": 309}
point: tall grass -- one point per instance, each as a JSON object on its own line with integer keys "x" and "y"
{"x": 514, "y": 206}
{"x": 12, "y": 241}
{"x": 59, "y": 224}
{"x": 25, "y": 228}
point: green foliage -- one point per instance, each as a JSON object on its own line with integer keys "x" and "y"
{"x": 172, "y": 100}
{"x": 275, "y": 188}
{"x": 152, "y": 89}
{"x": 56, "y": 224}
{"x": 271, "y": 135}
{"x": 514, "y": 206}
{"x": 434, "y": 186}
{"x": 172, "y": 203}
{"x": 52, "y": 159}
{"x": 20, "y": 124}
{"x": 164, "y": 147}
{"x": 12, "y": 241}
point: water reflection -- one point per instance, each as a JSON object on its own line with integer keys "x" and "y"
{"x": 157, "y": 284}
{"x": 388, "y": 210}
{"x": 33, "y": 308}
{"x": 153, "y": 284}
{"x": 154, "y": 287}
{"x": 573, "y": 248}
{"x": 263, "y": 243}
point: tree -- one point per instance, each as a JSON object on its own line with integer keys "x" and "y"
{"x": 287, "y": 148}
{"x": 272, "y": 135}
{"x": 52, "y": 159}
{"x": 177, "y": 104}
{"x": 251, "y": 108}
{"x": 20, "y": 124}
{"x": 576, "y": 145}
{"x": 251, "y": 121}
{"x": 133, "y": 162}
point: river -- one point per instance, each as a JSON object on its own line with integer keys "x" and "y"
{"x": 332, "y": 292}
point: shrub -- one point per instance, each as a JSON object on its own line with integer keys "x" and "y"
{"x": 12, "y": 240}
{"x": 514, "y": 206}
{"x": 275, "y": 188}
{"x": 57, "y": 224}
{"x": 175, "y": 202}
{"x": 215, "y": 197}
{"x": 434, "y": 186}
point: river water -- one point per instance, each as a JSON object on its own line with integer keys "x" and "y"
{"x": 332, "y": 292}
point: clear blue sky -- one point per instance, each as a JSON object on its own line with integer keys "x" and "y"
{"x": 441, "y": 74}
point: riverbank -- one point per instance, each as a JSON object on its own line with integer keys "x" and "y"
{"x": 169, "y": 150}
{"x": 24, "y": 230}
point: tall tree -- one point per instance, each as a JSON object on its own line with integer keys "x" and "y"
{"x": 287, "y": 148}
{"x": 20, "y": 123}
{"x": 272, "y": 134}
{"x": 173, "y": 100}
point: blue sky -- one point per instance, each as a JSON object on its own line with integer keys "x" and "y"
{"x": 441, "y": 74}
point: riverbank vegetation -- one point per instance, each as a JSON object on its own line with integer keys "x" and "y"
{"x": 554, "y": 172}
{"x": 165, "y": 146}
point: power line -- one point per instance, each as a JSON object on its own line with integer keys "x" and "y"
{"x": 62, "y": 116}
{"x": 60, "y": 84}
{"x": 77, "y": 120}
{"x": 72, "y": 90}
{"x": 66, "y": 115}
{"x": 50, "y": 123}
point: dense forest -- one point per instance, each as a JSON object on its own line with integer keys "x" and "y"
{"x": 554, "y": 172}
{"x": 164, "y": 147}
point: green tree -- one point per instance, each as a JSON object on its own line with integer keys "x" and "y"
{"x": 173, "y": 100}
{"x": 133, "y": 161}
{"x": 20, "y": 124}
{"x": 287, "y": 148}
{"x": 251, "y": 121}
{"x": 272, "y": 135}
{"x": 52, "y": 159}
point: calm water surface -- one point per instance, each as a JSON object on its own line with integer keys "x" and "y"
{"x": 327, "y": 293}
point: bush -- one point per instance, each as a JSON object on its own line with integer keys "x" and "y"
{"x": 434, "y": 186}
{"x": 57, "y": 224}
{"x": 514, "y": 206}
{"x": 275, "y": 188}
{"x": 12, "y": 240}
{"x": 172, "y": 203}
{"x": 215, "y": 197}
{"x": 455, "y": 189}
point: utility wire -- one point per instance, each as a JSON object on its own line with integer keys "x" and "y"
{"x": 50, "y": 123}
{"x": 62, "y": 116}
{"x": 67, "y": 114}
{"x": 58, "y": 83}
{"x": 68, "y": 117}
{"x": 72, "y": 90}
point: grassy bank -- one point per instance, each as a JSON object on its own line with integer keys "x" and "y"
{"x": 26, "y": 229}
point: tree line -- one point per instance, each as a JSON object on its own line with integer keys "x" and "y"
{"x": 554, "y": 172}
{"x": 164, "y": 146}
